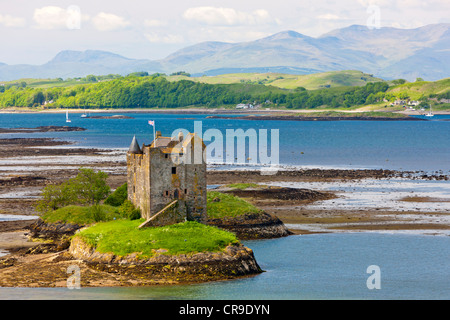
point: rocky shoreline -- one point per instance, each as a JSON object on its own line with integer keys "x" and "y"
{"x": 288, "y": 211}
{"x": 252, "y": 226}
{"x": 234, "y": 261}
{"x": 41, "y": 129}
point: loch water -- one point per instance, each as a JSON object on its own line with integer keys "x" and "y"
{"x": 399, "y": 145}
{"x": 302, "y": 267}
{"x": 316, "y": 266}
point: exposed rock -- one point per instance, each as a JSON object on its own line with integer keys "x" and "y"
{"x": 41, "y": 129}
{"x": 278, "y": 193}
{"x": 7, "y": 262}
{"x": 252, "y": 226}
{"x": 111, "y": 117}
{"x": 52, "y": 231}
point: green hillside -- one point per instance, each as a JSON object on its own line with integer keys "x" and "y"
{"x": 56, "y": 82}
{"x": 417, "y": 90}
{"x": 289, "y": 81}
{"x": 331, "y": 90}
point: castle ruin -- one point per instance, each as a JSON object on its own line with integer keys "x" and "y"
{"x": 167, "y": 179}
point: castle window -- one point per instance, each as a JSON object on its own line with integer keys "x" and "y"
{"x": 167, "y": 193}
{"x": 174, "y": 170}
{"x": 166, "y": 156}
{"x": 185, "y": 191}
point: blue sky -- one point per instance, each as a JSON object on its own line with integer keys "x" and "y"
{"x": 34, "y": 31}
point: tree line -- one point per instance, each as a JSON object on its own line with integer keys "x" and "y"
{"x": 150, "y": 91}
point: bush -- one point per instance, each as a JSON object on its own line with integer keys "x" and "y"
{"x": 127, "y": 210}
{"x": 118, "y": 197}
{"x": 88, "y": 187}
{"x": 91, "y": 186}
{"x": 97, "y": 213}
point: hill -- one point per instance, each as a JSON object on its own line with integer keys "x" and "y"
{"x": 389, "y": 53}
{"x": 289, "y": 81}
{"x": 416, "y": 90}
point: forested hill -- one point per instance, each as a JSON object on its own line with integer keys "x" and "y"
{"x": 155, "y": 91}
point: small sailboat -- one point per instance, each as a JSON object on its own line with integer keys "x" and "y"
{"x": 67, "y": 116}
{"x": 430, "y": 113}
{"x": 84, "y": 115}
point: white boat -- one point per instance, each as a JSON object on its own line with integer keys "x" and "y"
{"x": 84, "y": 115}
{"x": 67, "y": 116}
{"x": 430, "y": 113}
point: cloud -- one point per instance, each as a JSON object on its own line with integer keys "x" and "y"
{"x": 50, "y": 17}
{"x": 166, "y": 38}
{"x": 227, "y": 16}
{"x": 109, "y": 22}
{"x": 154, "y": 23}
{"x": 328, "y": 16}
{"x": 12, "y": 22}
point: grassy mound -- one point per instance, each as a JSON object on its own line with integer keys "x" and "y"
{"x": 222, "y": 205}
{"x": 122, "y": 237}
{"x": 82, "y": 215}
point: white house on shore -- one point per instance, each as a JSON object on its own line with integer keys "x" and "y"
{"x": 245, "y": 106}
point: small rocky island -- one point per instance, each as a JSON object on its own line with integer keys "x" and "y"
{"x": 41, "y": 129}
{"x": 111, "y": 117}
{"x": 181, "y": 234}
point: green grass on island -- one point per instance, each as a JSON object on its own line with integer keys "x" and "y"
{"x": 221, "y": 205}
{"x": 122, "y": 237}
{"x": 82, "y": 215}
{"x": 111, "y": 231}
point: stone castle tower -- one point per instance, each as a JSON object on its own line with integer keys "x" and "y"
{"x": 167, "y": 180}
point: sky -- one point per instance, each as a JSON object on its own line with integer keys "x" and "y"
{"x": 34, "y": 31}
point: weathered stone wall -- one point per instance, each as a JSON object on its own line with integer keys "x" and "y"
{"x": 195, "y": 177}
{"x": 138, "y": 173}
{"x": 156, "y": 178}
{"x": 173, "y": 213}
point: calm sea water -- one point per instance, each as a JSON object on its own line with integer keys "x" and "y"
{"x": 320, "y": 266}
{"x": 407, "y": 145}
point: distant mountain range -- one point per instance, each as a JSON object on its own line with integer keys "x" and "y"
{"x": 388, "y": 53}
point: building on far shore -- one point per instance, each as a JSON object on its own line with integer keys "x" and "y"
{"x": 167, "y": 179}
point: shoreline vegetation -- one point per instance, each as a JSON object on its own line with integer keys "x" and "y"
{"x": 141, "y": 90}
